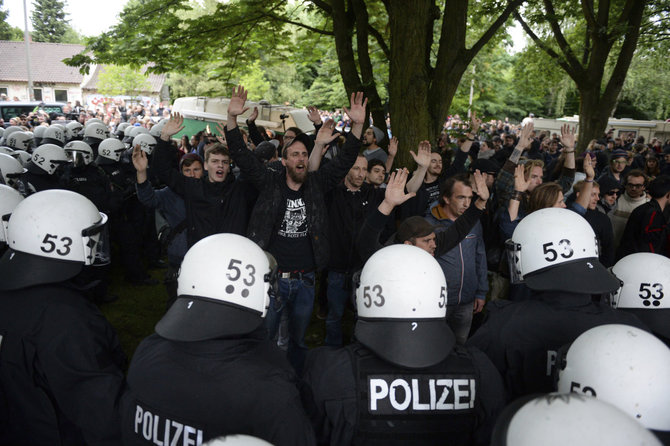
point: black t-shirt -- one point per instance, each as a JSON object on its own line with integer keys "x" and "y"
{"x": 290, "y": 243}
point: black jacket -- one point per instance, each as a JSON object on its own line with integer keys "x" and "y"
{"x": 269, "y": 185}
{"x": 211, "y": 208}
{"x": 197, "y": 391}
{"x": 91, "y": 182}
{"x": 331, "y": 396}
{"x": 646, "y": 231}
{"x": 60, "y": 370}
{"x": 522, "y": 338}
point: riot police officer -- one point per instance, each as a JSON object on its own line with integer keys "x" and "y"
{"x": 43, "y": 170}
{"x": 404, "y": 380}
{"x": 61, "y": 363}
{"x": 208, "y": 371}
{"x": 555, "y": 252}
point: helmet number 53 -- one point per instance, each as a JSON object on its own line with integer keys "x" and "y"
{"x": 49, "y": 244}
{"x": 564, "y": 246}
{"x": 377, "y": 299}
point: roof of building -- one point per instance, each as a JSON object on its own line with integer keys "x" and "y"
{"x": 156, "y": 81}
{"x": 46, "y": 62}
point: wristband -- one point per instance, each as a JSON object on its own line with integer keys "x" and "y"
{"x": 516, "y": 195}
{"x": 589, "y": 181}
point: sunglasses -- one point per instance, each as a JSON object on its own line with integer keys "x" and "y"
{"x": 612, "y": 192}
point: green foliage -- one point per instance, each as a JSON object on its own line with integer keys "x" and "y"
{"x": 114, "y": 80}
{"x": 7, "y": 31}
{"x": 72, "y": 36}
{"x": 49, "y": 23}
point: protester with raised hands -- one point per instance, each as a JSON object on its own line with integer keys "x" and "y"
{"x": 290, "y": 219}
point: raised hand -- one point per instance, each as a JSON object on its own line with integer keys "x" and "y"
{"x": 221, "y": 128}
{"x": 480, "y": 184}
{"x": 475, "y": 123}
{"x": 237, "y": 100}
{"x": 326, "y": 133}
{"x": 422, "y": 157}
{"x": 395, "y": 189}
{"x": 520, "y": 183}
{"x": 254, "y": 114}
{"x": 313, "y": 115}
{"x": 174, "y": 125}
{"x": 140, "y": 160}
{"x": 568, "y": 136}
{"x": 588, "y": 167}
{"x": 356, "y": 110}
{"x": 393, "y": 147}
{"x": 524, "y": 136}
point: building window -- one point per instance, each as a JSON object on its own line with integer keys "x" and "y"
{"x": 37, "y": 92}
{"x": 3, "y": 90}
{"x": 61, "y": 95}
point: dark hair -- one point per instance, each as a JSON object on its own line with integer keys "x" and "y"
{"x": 544, "y": 196}
{"x": 659, "y": 186}
{"x": 295, "y": 130}
{"x": 636, "y": 173}
{"x": 447, "y": 187}
{"x": 375, "y": 162}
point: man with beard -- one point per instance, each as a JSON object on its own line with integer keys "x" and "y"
{"x": 290, "y": 218}
{"x": 371, "y": 138}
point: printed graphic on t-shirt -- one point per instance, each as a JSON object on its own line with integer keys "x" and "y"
{"x": 294, "y": 224}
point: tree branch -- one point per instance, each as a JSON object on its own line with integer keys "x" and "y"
{"x": 301, "y": 25}
{"x": 560, "y": 38}
{"x": 587, "y": 10}
{"x": 380, "y": 40}
{"x": 495, "y": 26}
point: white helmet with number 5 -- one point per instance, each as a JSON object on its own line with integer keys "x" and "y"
{"x": 48, "y": 157}
{"x": 51, "y": 235}
{"x": 79, "y": 153}
{"x": 146, "y": 142}
{"x": 111, "y": 149}
{"x": 401, "y": 304}
{"x": 621, "y": 364}
{"x": 556, "y": 249}
{"x": 9, "y": 199}
{"x": 223, "y": 289}
{"x": 645, "y": 289}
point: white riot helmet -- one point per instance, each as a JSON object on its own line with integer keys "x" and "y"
{"x": 645, "y": 289}
{"x": 54, "y": 134}
{"x": 95, "y": 132}
{"x": 556, "y": 249}
{"x": 22, "y": 156}
{"x": 48, "y": 157}
{"x": 94, "y": 121}
{"x": 223, "y": 288}
{"x": 146, "y": 142}
{"x": 8, "y": 131}
{"x": 621, "y": 364}
{"x": 75, "y": 128}
{"x": 156, "y": 130}
{"x": 120, "y": 130}
{"x": 9, "y": 199}
{"x": 567, "y": 419}
{"x": 20, "y": 141}
{"x": 8, "y": 151}
{"x": 66, "y": 131}
{"x": 2, "y": 131}
{"x": 10, "y": 168}
{"x": 111, "y": 149}
{"x": 51, "y": 235}
{"x": 237, "y": 440}
{"x": 79, "y": 153}
{"x": 38, "y": 133}
{"x": 401, "y": 304}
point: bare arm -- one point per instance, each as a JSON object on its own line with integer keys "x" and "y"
{"x": 325, "y": 136}
{"x": 585, "y": 195}
{"x": 523, "y": 144}
{"x": 422, "y": 158}
{"x": 520, "y": 186}
{"x": 568, "y": 141}
{"x": 392, "y": 152}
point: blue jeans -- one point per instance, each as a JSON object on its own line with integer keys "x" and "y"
{"x": 338, "y": 295}
{"x": 459, "y": 319}
{"x": 297, "y": 297}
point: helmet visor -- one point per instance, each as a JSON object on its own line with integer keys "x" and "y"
{"x": 78, "y": 159}
{"x": 96, "y": 243}
{"x": 513, "y": 252}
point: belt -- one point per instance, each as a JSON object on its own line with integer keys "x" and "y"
{"x": 293, "y": 274}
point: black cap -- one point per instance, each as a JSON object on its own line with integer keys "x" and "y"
{"x": 21, "y": 270}
{"x": 413, "y": 227}
{"x": 608, "y": 184}
{"x": 583, "y": 276}
{"x": 266, "y": 150}
{"x": 195, "y": 318}
{"x": 305, "y": 139}
{"x": 408, "y": 343}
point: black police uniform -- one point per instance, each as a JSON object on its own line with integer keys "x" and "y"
{"x": 191, "y": 392}
{"x": 355, "y": 398}
{"x": 522, "y": 338}
{"x": 36, "y": 180}
{"x": 89, "y": 181}
{"x": 60, "y": 369}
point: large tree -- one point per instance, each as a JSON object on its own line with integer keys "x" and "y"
{"x": 49, "y": 23}
{"x": 594, "y": 43}
{"x": 427, "y": 47}
{"x": 7, "y": 31}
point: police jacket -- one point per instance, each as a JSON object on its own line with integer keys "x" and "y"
{"x": 464, "y": 266}
{"x": 269, "y": 185}
{"x": 36, "y": 180}
{"x": 355, "y": 398}
{"x": 522, "y": 338}
{"x": 211, "y": 208}
{"x": 91, "y": 182}
{"x": 192, "y": 392}
{"x": 646, "y": 231}
{"x": 60, "y": 370}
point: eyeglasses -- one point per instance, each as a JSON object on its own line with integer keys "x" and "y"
{"x": 612, "y": 192}
{"x": 635, "y": 186}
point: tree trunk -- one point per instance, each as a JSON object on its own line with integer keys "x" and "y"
{"x": 409, "y": 75}
{"x": 593, "y": 117}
